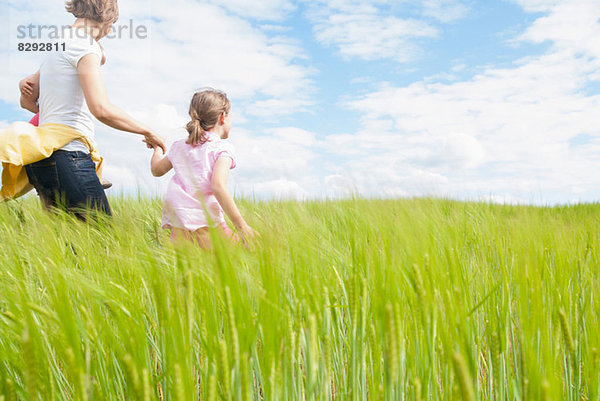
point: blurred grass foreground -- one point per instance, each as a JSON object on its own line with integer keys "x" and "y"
{"x": 416, "y": 299}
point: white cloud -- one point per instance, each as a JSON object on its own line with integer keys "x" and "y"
{"x": 227, "y": 52}
{"x": 462, "y": 151}
{"x": 123, "y": 178}
{"x": 165, "y": 119}
{"x": 283, "y": 155}
{"x": 277, "y": 189}
{"x": 372, "y": 37}
{"x": 445, "y": 10}
{"x": 273, "y": 10}
{"x": 373, "y": 30}
{"x": 296, "y": 136}
{"x": 320, "y": 8}
{"x": 539, "y": 5}
{"x": 340, "y": 186}
{"x": 571, "y": 25}
{"x": 502, "y": 199}
{"x": 504, "y": 131}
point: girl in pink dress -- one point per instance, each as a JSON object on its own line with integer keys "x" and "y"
{"x": 197, "y": 195}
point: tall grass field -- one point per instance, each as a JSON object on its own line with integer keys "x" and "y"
{"x": 416, "y": 299}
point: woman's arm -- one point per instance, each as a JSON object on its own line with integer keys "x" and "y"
{"x": 99, "y": 105}
{"x": 30, "y": 92}
{"x": 159, "y": 164}
{"x": 218, "y": 185}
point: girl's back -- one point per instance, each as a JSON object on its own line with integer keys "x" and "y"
{"x": 189, "y": 191}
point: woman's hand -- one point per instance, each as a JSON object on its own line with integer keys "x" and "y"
{"x": 154, "y": 140}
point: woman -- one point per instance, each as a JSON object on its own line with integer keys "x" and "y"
{"x": 71, "y": 91}
{"x": 30, "y": 89}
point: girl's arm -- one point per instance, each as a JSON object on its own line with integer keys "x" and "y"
{"x": 99, "y": 105}
{"x": 159, "y": 164}
{"x": 218, "y": 185}
{"x": 30, "y": 92}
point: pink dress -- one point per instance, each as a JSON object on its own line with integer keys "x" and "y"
{"x": 189, "y": 193}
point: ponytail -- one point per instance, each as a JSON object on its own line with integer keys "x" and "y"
{"x": 206, "y": 108}
{"x": 197, "y": 134}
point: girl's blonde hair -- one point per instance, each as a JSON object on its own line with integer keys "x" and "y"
{"x": 102, "y": 11}
{"x": 206, "y": 108}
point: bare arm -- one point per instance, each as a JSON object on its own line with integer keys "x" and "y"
{"x": 30, "y": 92}
{"x": 218, "y": 185}
{"x": 99, "y": 105}
{"x": 159, "y": 164}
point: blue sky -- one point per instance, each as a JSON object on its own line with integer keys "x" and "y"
{"x": 495, "y": 100}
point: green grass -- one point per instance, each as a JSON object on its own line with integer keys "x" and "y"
{"x": 346, "y": 300}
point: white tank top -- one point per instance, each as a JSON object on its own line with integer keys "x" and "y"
{"x": 61, "y": 97}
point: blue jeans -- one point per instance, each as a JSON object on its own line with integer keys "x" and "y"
{"x": 69, "y": 180}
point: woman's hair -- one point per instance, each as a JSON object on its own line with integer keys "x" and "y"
{"x": 102, "y": 11}
{"x": 206, "y": 107}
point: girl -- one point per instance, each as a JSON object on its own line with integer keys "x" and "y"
{"x": 197, "y": 194}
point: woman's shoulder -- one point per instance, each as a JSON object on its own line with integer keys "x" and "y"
{"x": 77, "y": 45}
{"x": 77, "y": 37}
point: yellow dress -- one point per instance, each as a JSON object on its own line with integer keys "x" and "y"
{"x": 23, "y": 143}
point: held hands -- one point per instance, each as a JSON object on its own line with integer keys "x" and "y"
{"x": 153, "y": 140}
